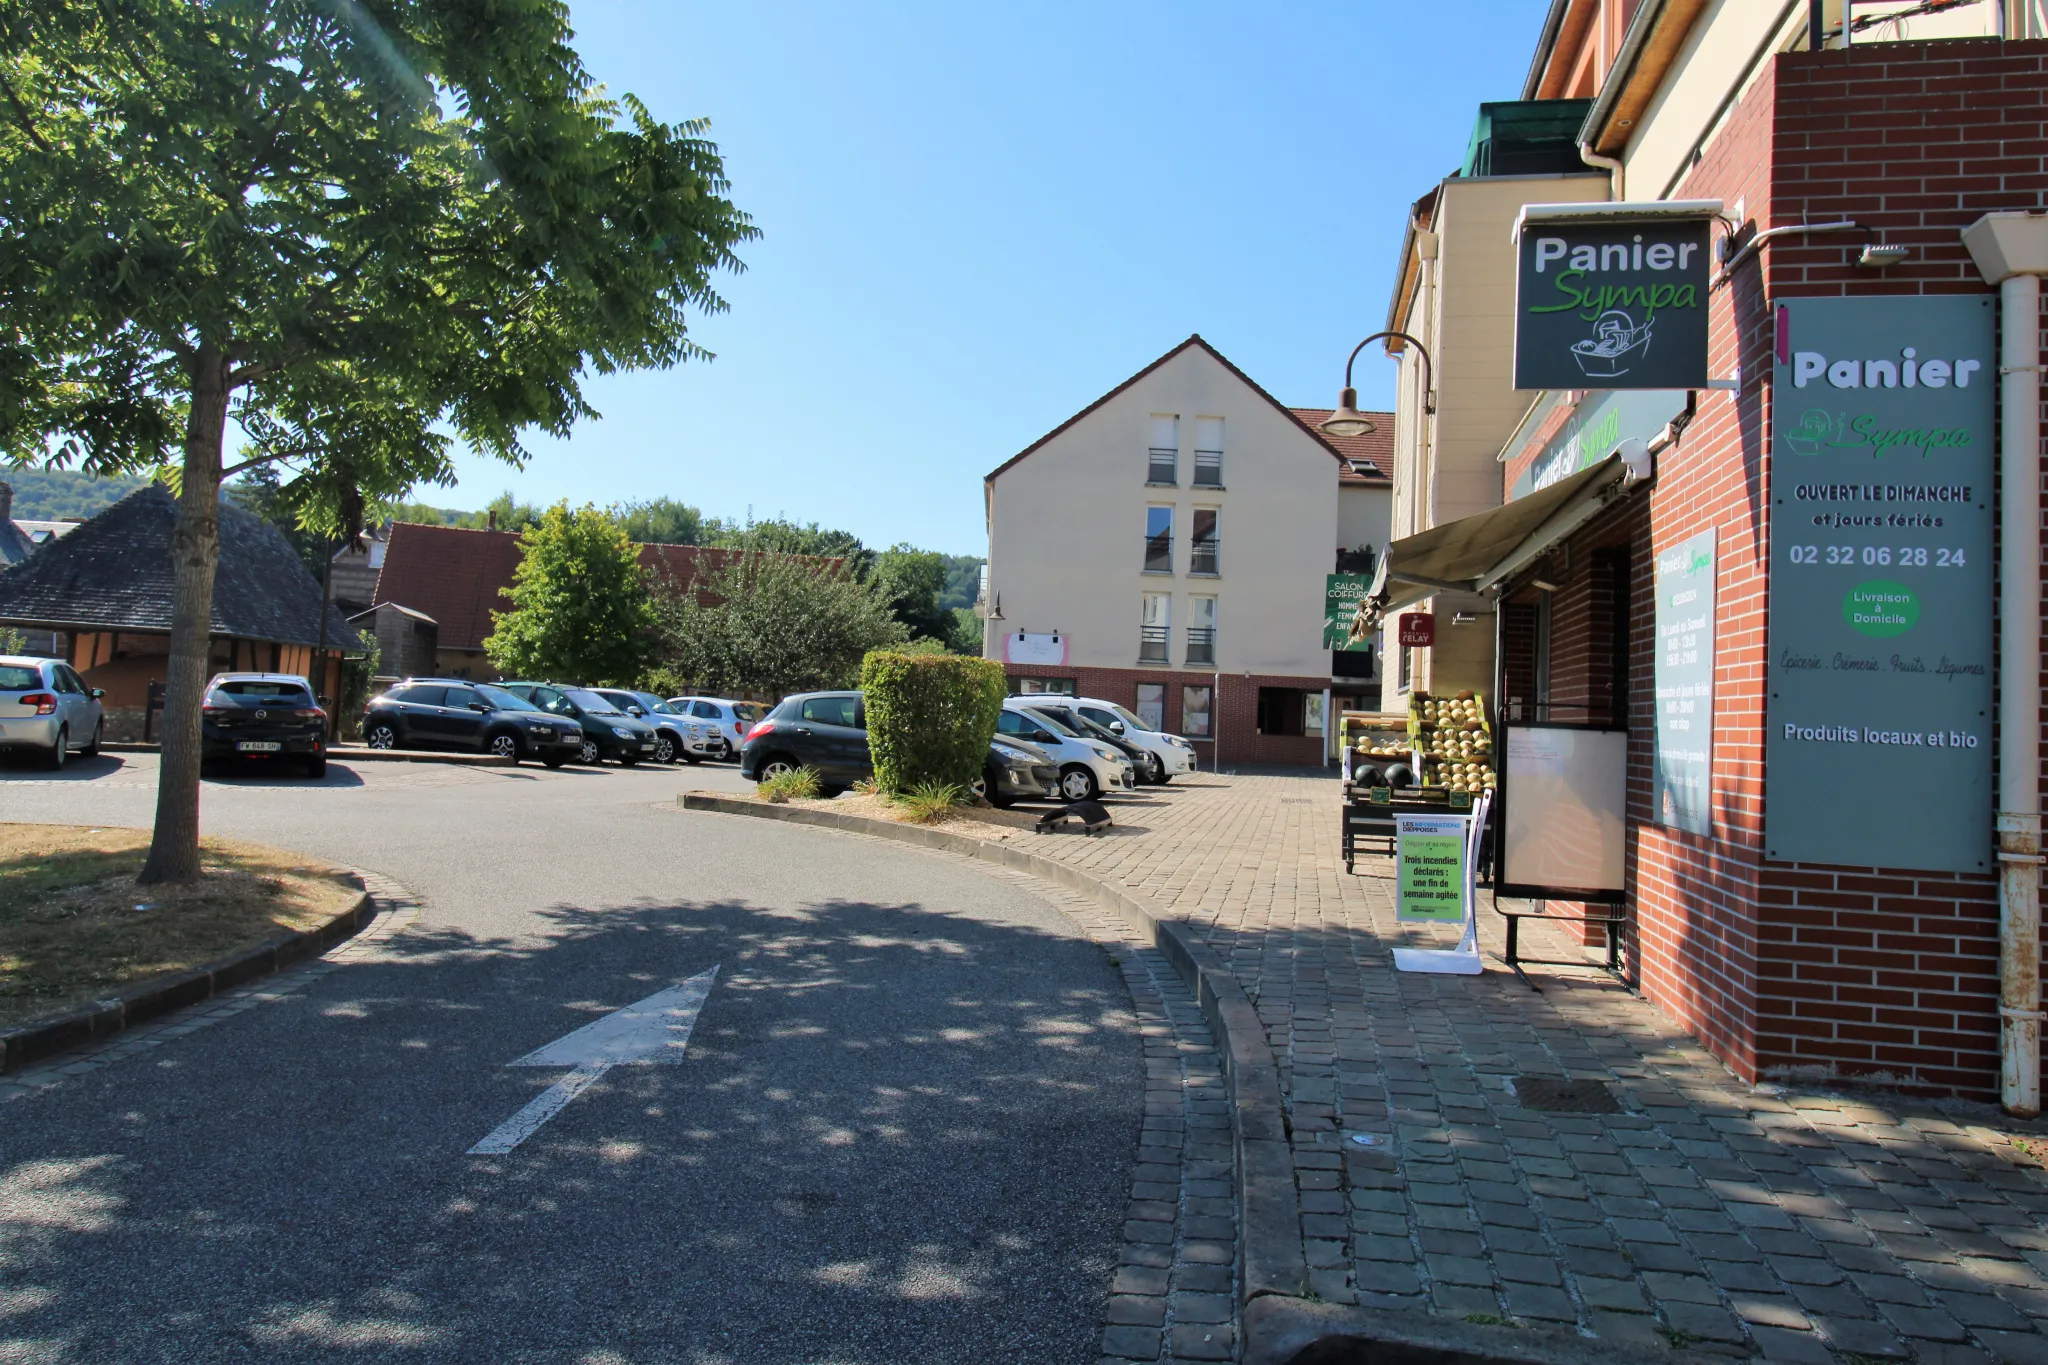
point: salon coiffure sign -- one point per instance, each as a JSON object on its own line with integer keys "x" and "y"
{"x": 1613, "y": 301}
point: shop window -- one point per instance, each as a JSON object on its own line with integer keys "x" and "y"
{"x": 1281, "y": 710}
{"x": 1033, "y": 687}
{"x": 1152, "y": 704}
{"x": 1312, "y": 713}
{"x": 1194, "y": 712}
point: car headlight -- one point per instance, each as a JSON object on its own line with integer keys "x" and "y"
{"x": 621, "y": 732}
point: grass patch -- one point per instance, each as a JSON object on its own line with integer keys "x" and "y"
{"x": 74, "y": 926}
{"x": 927, "y": 802}
{"x": 798, "y": 784}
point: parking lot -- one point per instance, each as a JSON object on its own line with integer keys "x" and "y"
{"x": 901, "y": 1128}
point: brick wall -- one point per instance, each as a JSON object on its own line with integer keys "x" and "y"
{"x": 1821, "y": 972}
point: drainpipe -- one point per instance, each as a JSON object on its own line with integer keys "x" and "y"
{"x": 2011, "y": 250}
{"x": 1607, "y": 164}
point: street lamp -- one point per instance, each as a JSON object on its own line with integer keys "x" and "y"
{"x": 1347, "y": 420}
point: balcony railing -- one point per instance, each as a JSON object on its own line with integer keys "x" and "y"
{"x": 1164, "y": 467}
{"x": 1152, "y": 644}
{"x": 1202, "y": 557}
{"x": 1208, "y": 469}
{"x": 1158, "y": 554}
{"x": 1201, "y": 644}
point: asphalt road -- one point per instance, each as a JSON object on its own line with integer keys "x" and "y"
{"x": 901, "y": 1131}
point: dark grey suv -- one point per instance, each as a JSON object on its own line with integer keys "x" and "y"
{"x": 452, "y": 713}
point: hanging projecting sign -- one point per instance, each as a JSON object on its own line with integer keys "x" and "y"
{"x": 1617, "y": 303}
{"x": 1417, "y": 630}
{"x": 1878, "y": 751}
{"x": 1342, "y": 592}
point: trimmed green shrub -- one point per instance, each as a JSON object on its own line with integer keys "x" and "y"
{"x": 930, "y": 717}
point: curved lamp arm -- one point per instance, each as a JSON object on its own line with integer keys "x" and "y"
{"x": 1428, "y": 382}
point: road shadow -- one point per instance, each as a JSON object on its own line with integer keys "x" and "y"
{"x": 20, "y": 767}
{"x": 898, "y": 1134}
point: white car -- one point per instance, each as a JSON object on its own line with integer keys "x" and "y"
{"x": 47, "y": 709}
{"x": 729, "y": 719}
{"x": 1171, "y": 755}
{"x": 1088, "y": 768}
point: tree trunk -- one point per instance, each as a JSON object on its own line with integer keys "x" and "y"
{"x": 195, "y": 551}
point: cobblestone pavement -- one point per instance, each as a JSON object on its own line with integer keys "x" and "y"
{"x": 1437, "y": 1175}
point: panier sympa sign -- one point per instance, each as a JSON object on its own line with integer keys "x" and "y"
{"x": 1878, "y": 751}
{"x": 1612, "y": 304}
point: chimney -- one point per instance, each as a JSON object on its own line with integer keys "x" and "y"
{"x": 494, "y": 519}
{"x": 6, "y": 502}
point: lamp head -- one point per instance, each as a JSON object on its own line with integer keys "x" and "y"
{"x": 1347, "y": 420}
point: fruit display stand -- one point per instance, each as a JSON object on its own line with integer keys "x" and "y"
{"x": 1446, "y": 750}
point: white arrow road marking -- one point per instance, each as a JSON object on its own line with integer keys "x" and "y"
{"x": 650, "y": 1032}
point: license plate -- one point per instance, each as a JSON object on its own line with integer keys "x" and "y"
{"x": 647, "y": 746}
{"x": 258, "y": 746}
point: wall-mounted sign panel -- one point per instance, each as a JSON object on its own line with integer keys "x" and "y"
{"x": 1683, "y": 766}
{"x": 1342, "y": 592}
{"x": 1031, "y": 647}
{"x": 1417, "y": 630}
{"x": 1612, "y": 304}
{"x": 1599, "y": 424}
{"x": 1878, "y": 752}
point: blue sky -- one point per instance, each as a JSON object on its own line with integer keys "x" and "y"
{"x": 977, "y": 218}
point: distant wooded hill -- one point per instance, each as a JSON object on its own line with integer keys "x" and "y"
{"x": 55, "y": 494}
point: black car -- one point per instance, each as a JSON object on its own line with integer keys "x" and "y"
{"x": 673, "y": 731}
{"x": 452, "y": 713}
{"x": 827, "y": 732}
{"x": 267, "y": 717}
{"x": 608, "y": 732}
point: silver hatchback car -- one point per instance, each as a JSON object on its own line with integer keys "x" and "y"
{"x": 47, "y": 710}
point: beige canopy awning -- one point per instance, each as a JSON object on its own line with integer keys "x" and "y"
{"x": 1476, "y": 552}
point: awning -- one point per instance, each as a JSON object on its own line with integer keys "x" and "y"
{"x": 1476, "y": 552}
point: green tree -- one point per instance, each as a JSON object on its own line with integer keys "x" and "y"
{"x": 910, "y": 581}
{"x": 581, "y": 608}
{"x": 508, "y": 513}
{"x": 967, "y": 631}
{"x": 782, "y": 537}
{"x": 366, "y": 229}
{"x": 963, "y": 581}
{"x": 773, "y": 625}
{"x": 662, "y": 521}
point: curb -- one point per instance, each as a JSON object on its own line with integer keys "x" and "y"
{"x": 353, "y": 754}
{"x": 1269, "y": 1211}
{"x": 32, "y": 1042}
{"x": 1281, "y": 1331}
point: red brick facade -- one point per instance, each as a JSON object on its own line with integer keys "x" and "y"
{"x": 1784, "y": 969}
{"x": 1234, "y": 734}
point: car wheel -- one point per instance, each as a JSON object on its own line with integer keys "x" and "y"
{"x": 382, "y": 734}
{"x": 1163, "y": 778}
{"x": 99, "y": 732}
{"x": 589, "y": 753}
{"x": 1155, "y": 770}
{"x": 664, "y": 747}
{"x": 60, "y": 751}
{"x": 505, "y": 744}
{"x": 1077, "y": 783}
{"x": 777, "y": 765}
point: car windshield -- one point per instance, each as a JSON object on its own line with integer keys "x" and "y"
{"x": 16, "y": 678}
{"x": 1129, "y": 719}
{"x": 1052, "y": 723}
{"x": 502, "y": 700}
{"x": 591, "y": 702}
{"x": 662, "y": 708}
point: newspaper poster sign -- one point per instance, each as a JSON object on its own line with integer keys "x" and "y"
{"x": 1429, "y": 851}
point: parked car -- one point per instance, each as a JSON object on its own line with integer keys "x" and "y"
{"x": 608, "y": 732}
{"x": 266, "y": 717}
{"x": 46, "y": 708}
{"x": 1017, "y": 771}
{"x": 732, "y": 719}
{"x": 454, "y": 713}
{"x": 677, "y": 735}
{"x": 1167, "y": 756}
{"x": 1088, "y": 767}
{"x": 1066, "y": 713}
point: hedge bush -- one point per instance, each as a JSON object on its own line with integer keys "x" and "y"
{"x": 930, "y": 716}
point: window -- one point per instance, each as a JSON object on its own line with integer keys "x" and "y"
{"x": 1280, "y": 710}
{"x": 834, "y": 711}
{"x": 1202, "y": 546}
{"x": 1158, "y": 540}
{"x": 1153, "y": 628}
{"x": 1312, "y": 713}
{"x": 704, "y": 710}
{"x": 1208, "y": 452}
{"x": 1033, "y": 687}
{"x": 415, "y": 694}
{"x": 1152, "y": 705}
{"x": 1201, "y": 631}
{"x": 460, "y": 697}
{"x": 1163, "y": 458}
{"x": 1194, "y": 712}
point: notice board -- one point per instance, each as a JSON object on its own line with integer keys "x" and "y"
{"x": 1878, "y": 751}
{"x": 1564, "y": 793}
{"x": 1682, "y": 767}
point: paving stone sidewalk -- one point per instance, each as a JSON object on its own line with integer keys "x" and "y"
{"x": 1437, "y": 1175}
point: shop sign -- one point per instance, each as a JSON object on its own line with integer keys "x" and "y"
{"x": 1601, "y": 423}
{"x": 1031, "y": 647}
{"x": 1683, "y": 766}
{"x": 1612, "y": 305}
{"x": 1430, "y": 851}
{"x": 1417, "y": 630}
{"x": 1342, "y": 592}
{"x": 1878, "y": 751}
